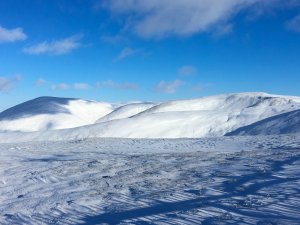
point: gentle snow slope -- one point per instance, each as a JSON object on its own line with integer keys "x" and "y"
{"x": 281, "y": 124}
{"x": 126, "y": 111}
{"x": 48, "y": 113}
{"x": 204, "y": 117}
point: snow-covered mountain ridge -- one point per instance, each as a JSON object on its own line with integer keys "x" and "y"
{"x": 211, "y": 116}
{"x": 50, "y": 113}
{"x": 285, "y": 123}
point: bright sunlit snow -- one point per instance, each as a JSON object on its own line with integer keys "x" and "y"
{"x": 212, "y": 116}
{"x": 87, "y": 168}
{"x": 241, "y": 180}
{"x": 135, "y": 112}
{"x": 47, "y": 113}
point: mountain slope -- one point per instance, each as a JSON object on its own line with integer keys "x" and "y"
{"x": 48, "y": 113}
{"x": 281, "y": 124}
{"x": 204, "y": 117}
{"x": 126, "y": 111}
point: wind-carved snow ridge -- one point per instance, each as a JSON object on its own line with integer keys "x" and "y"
{"x": 212, "y": 116}
{"x": 228, "y": 180}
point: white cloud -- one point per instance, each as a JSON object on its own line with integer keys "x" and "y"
{"x": 66, "y": 86}
{"x": 222, "y": 30}
{"x": 7, "y": 83}
{"x": 114, "y": 39}
{"x": 12, "y": 35}
{"x": 40, "y": 82}
{"x": 168, "y": 87}
{"x": 126, "y": 52}
{"x": 60, "y": 86}
{"x": 187, "y": 70}
{"x": 115, "y": 85}
{"x": 157, "y": 18}
{"x": 81, "y": 86}
{"x": 200, "y": 86}
{"x": 58, "y": 47}
{"x": 294, "y": 24}
{"x": 86, "y": 86}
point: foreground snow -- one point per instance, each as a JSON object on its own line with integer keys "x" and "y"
{"x": 232, "y": 180}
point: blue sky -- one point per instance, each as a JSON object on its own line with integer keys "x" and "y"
{"x": 151, "y": 50}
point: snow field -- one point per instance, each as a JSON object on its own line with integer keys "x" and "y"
{"x": 251, "y": 180}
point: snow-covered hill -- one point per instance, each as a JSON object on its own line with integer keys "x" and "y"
{"x": 204, "y": 117}
{"x": 285, "y": 123}
{"x": 126, "y": 111}
{"x": 48, "y": 113}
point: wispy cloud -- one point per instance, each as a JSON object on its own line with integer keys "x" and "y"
{"x": 157, "y": 18}
{"x": 168, "y": 87}
{"x": 187, "y": 70}
{"x": 294, "y": 24}
{"x": 40, "y": 82}
{"x": 60, "y": 86}
{"x": 7, "y": 83}
{"x": 67, "y": 86}
{"x": 114, "y": 39}
{"x": 200, "y": 87}
{"x": 11, "y": 35}
{"x": 58, "y": 47}
{"x": 115, "y": 85}
{"x": 125, "y": 53}
{"x": 85, "y": 86}
{"x": 270, "y": 7}
{"x": 222, "y": 30}
{"x": 81, "y": 86}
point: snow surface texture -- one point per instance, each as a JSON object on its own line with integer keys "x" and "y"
{"x": 228, "y": 180}
{"x": 282, "y": 124}
{"x": 212, "y": 116}
{"x": 48, "y": 113}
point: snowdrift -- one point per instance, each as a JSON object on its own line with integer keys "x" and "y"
{"x": 212, "y": 116}
{"x": 286, "y": 123}
{"x": 49, "y": 113}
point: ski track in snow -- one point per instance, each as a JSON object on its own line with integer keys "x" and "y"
{"x": 229, "y": 180}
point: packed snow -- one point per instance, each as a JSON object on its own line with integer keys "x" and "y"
{"x": 227, "y": 180}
